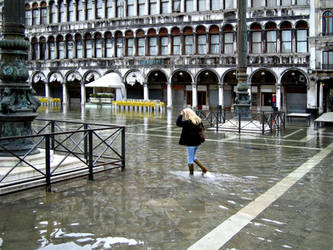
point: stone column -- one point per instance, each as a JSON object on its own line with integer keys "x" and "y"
{"x": 321, "y": 98}
{"x": 47, "y": 90}
{"x": 278, "y": 96}
{"x": 221, "y": 95}
{"x": 145, "y": 92}
{"x": 194, "y": 96}
{"x": 169, "y": 95}
{"x": 83, "y": 93}
{"x": 65, "y": 94}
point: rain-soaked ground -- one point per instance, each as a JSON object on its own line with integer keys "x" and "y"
{"x": 247, "y": 196}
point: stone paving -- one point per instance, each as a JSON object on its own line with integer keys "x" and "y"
{"x": 155, "y": 204}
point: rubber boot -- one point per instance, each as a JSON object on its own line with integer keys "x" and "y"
{"x": 191, "y": 168}
{"x": 203, "y": 169}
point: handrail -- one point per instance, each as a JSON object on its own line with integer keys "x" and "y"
{"x": 89, "y": 147}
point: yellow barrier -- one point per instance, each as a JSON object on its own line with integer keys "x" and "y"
{"x": 134, "y": 104}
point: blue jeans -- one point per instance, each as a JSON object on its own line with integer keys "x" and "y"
{"x": 191, "y": 151}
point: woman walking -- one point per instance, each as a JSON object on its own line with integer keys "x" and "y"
{"x": 190, "y": 136}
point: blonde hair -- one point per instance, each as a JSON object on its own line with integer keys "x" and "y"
{"x": 189, "y": 114}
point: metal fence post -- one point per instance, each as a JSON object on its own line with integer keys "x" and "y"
{"x": 52, "y": 134}
{"x": 85, "y": 142}
{"x": 123, "y": 149}
{"x": 271, "y": 123}
{"x": 47, "y": 163}
{"x": 239, "y": 122}
{"x": 91, "y": 155}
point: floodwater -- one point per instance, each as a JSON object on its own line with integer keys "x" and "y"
{"x": 155, "y": 204}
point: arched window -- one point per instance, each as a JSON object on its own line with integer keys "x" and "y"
{"x": 228, "y": 40}
{"x": 164, "y": 42}
{"x": 129, "y": 43}
{"x": 286, "y": 37}
{"x": 99, "y": 9}
{"x": 53, "y": 12}
{"x": 152, "y": 7}
{"x": 35, "y": 13}
{"x": 27, "y": 15}
{"x": 43, "y": 13}
{"x": 98, "y": 45}
{"x": 140, "y": 36}
{"x": 175, "y": 42}
{"x": 61, "y": 47}
{"x": 109, "y": 9}
{"x": 119, "y": 44}
{"x": 108, "y": 44}
{"x": 214, "y": 40}
{"x": 80, "y": 11}
{"x": 120, "y": 8}
{"x": 71, "y": 13}
{"x": 188, "y": 41}
{"x": 89, "y": 6}
{"x": 70, "y": 47}
{"x": 328, "y": 23}
{"x": 130, "y": 8}
{"x": 189, "y": 5}
{"x": 141, "y": 7}
{"x": 271, "y": 38}
{"x": 201, "y": 40}
{"x": 78, "y": 46}
{"x": 152, "y": 41}
{"x": 256, "y": 38}
{"x": 62, "y": 12}
{"x": 52, "y": 49}
{"x": 302, "y": 37}
{"x": 88, "y": 46}
{"x": 34, "y": 49}
{"x": 42, "y": 48}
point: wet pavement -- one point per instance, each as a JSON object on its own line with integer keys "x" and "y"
{"x": 262, "y": 192}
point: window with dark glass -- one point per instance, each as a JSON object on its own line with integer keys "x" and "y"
{"x": 35, "y": 13}
{"x": 327, "y": 59}
{"x": 108, "y": 45}
{"x": 140, "y": 42}
{"x": 52, "y": 49}
{"x": 129, "y": 44}
{"x": 286, "y": 38}
{"x": 42, "y": 48}
{"x": 176, "y": 5}
{"x": 43, "y": 13}
{"x": 79, "y": 46}
{"x": 214, "y": 40}
{"x": 328, "y": 23}
{"x": 175, "y": 42}
{"x": 164, "y": 42}
{"x": 228, "y": 40}
{"x": 302, "y": 37}
{"x": 27, "y": 15}
{"x": 271, "y": 38}
{"x": 34, "y": 49}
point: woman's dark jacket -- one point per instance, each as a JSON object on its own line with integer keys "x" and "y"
{"x": 189, "y": 135}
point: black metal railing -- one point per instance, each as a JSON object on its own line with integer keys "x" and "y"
{"x": 265, "y": 121}
{"x": 67, "y": 149}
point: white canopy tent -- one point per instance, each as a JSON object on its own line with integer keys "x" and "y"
{"x": 111, "y": 80}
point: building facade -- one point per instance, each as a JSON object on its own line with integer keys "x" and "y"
{"x": 183, "y": 52}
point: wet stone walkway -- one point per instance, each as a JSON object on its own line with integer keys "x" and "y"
{"x": 262, "y": 192}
